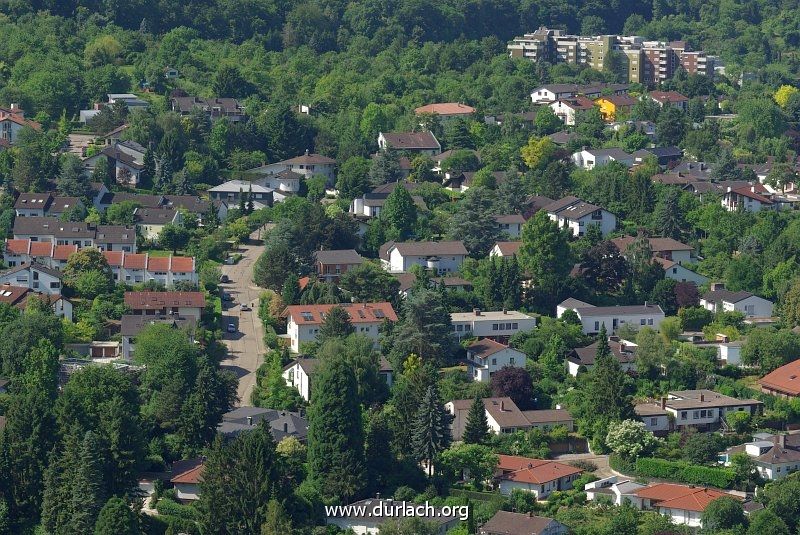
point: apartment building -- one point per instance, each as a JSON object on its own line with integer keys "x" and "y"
{"x": 704, "y": 410}
{"x": 647, "y": 62}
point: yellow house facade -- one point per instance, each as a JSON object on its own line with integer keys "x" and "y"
{"x": 614, "y": 106}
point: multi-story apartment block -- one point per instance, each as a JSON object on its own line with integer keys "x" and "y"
{"x": 648, "y": 62}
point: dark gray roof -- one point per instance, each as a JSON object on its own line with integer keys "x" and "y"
{"x": 115, "y": 234}
{"x": 584, "y": 356}
{"x": 507, "y": 523}
{"x": 411, "y": 140}
{"x": 620, "y": 310}
{"x": 660, "y": 152}
{"x": 186, "y": 104}
{"x": 281, "y": 423}
{"x": 34, "y": 265}
{"x": 425, "y": 248}
{"x": 36, "y": 225}
{"x": 133, "y": 324}
{"x": 563, "y": 138}
{"x": 338, "y": 256}
{"x": 154, "y": 216}
{"x": 190, "y": 203}
{"x": 718, "y": 296}
{"x": 571, "y": 207}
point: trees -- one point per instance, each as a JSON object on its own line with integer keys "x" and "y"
{"x": 88, "y": 270}
{"x": 603, "y": 267}
{"x": 239, "y": 479}
{"x": 630, "y": 439}
{"x": 513, "y": 382}
{"x": 352, "y": 180}
{"x": 545, "y": 251}
{"x": 474, "y": 222}
{"x": 473, "y": 459}
{"x": 424, "y": 329}
{"x": 274, "y": 264}
{"x": 723, "y": 513}
{"x": 121, "y": 213}
{"x": 430, "y": 429}
{"x": 476, "y": 429}
{"x": 670, "y": 126}
{"x": 369, "y": 282}
{"x": 116, "y": 518}
{"x": 337, "y": 324}
{"x": 608, "y": 390}
{"x": 335, "y": 435}
{"x": 71, "y": 180}
{"x": 790, "y": 307}
{"x": 547, "y": 122}
{"x": 537, "y": 152}
{"x": 400, "y": 213}
{"x": 669, "y": 218}
{"x": 385, "y": 167}
{"x": 766, "y": 521}
{"x": 770, "y": 348}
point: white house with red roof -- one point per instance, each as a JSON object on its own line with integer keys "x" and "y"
{"x": 505, "y": 249}
{"x": 670, "y": 98}
{"x": 446, "y": 110}
{"x": 187, "y": 478}
{"x": 12, "y": 122}
{"x": 682, "y": 504}
{"x": 19, "y": 252}
{"x": 538, "y": 476}
{"x": 135, "y": 268}
{"x": 411, "y": 142}
{"x": 485, "y": 357}
{"x": 182, "y": 304}
{"x": 304, "y": 321}
{"x": 752, "y": 198}
{"x": 18, "y": 296}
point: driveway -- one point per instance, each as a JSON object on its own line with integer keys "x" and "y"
{"x": 246, "y": 345}
{"x": 601, "y": 461}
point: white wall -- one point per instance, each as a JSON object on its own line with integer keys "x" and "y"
{"x": 682, "y": 274}
{"x": 591, "y": 324}
{"x": 485, "y": 327}
{"x": 296, "y": 377}
{"x": 481, "y": 369}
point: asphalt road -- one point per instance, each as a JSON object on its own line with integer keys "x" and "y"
{"x": 246, "y": 345}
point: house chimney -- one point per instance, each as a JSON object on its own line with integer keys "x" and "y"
{"x": 702, "y": 397}
{"x": 476, "y": 311}
{"x": 249, "y": 420}
{"x": 729, "y": 189}
{"x": 502, "y": 405}
{"x": 753, "y": 189}
{"x": 663, "y": 403}
{"x": 285, "y": 427}
{"x": 505, "y": 310}
{"x": 717, "y": 286}
{"x": 780, "y": 441}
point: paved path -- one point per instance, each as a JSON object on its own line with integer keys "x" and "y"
{"x": 246, "y": 345}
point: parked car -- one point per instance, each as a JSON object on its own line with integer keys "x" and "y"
{"x": 245, "y": 308}
{"x": 231, "y": 327}
{"x": 224, "y": 278}
{"x": 226, "y": 296}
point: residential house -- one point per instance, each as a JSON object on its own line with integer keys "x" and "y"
{"x": 282, "y": 424}
{"x": 297, "y": 374}
{"x": 19, "y": 252}
{"x": 670, "y": 98}
{"x": 126, "y": 158}
{"x": 366, "y": 517}
{"x": 80, "y": 233}
{"x": 563, "y": 138}
{"x": 132, "y": 325}
{"x": 505, "y": 249}
{"x": 576, "y": 215}
{"x": 582, "y": 358}
{"x": 775, "y": 456}
{"x": 552, "y": 92}
{"x": 410, "y": 142}
{"x": 330, "y": 265}
{"x": 680, "y": 273}
{"x": 666, "y": 248}
{"x": 44, "y": 204}
{"x": 510, "y": 224}
{"x": 215, "y": 108}
{"x": 503, "y": 416}
{"x": 746, "y": 198}
{"x": 19, "y": 296}
{"x": 187, "y": 478}
{"x": 647, "y": 128}
{"x": 285, "y": 176}
{"x": 783, "y": 382}
{"x": 569, "y": 109}
{"x": 232, "y": 192}
{"x": 619, "y": 491}
{"x": 718, "y": 299}
{"x": 129, "y": 99}
{"x": 446, "y": 110}
{"x": 304, "y": 321}
{"x": 408, "y": 280}
{"x": 170, "y": 73}
{"x": 590, "y": 158}
{"x": 485, "y": 357}
{"x": 663, "y": 155}
{"x": 439, "y": 257}
{"x": 34, "y": 276}
{"x": 682, "y": 504}
{"x": 698, "y": 409}
{"x": 613, "y": 107}
{"x": 369, "y": 205}
{"x": 613, "y": 317}
{"x": 12, "y": 122}
{"x": 133, "y": 268}
{"x": 182, "y": 304}
{"x": 151, "y": 221}
{"x": 538, "y": 476}
{"x": 508, "y": 523}
{"x": 463, "y": 181}
{"x": 498, "y": 325}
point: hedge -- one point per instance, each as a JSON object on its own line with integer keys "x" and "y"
{"x": 684, "y": 472}
{"x": 169, "y": 508}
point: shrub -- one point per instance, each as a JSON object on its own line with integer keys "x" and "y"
{"x": 685, "y": 472}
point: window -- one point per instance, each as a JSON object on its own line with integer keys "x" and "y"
{"x": 650, "y": 321}
{"x": 515, "y": 326}
{"x": 596, "y": 325}
{"x": 467, "y": 327}
{"x": 494, "y": 326}
{"x": 642, "y": 322}
{"x": 695, "y": 415}
{"x": 653, "y": 422}
{"x": 511, "y": 361}
{"x": 508, "y": 326}
{"x": 683, "y": 415}
{"x": 494, "y": 362}
{"x": 459, "y": 328}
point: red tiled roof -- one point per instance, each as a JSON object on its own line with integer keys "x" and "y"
{"x": 538, "y": 471}
{"x": 22, "y": 121}
{"x": 191, "y": 476}
{"x": 446, "y": 108}
{"x": 63, "y": 252}
{"x": 18, "y": 246}
{"x": 358, "y": 312}
{"x": 668, "y": 96}
{"x": 41, "y": 248}
{"x": 157, "y": 300}
{"x": 785, "y": 379}
{"x": 135, "y": 261}
{"x": 747, "y": 191}
{"x": 182, "y": 264}
{"x": 674, "y": 496}
{"x": 12, "y": 294}
{"x": 114, "y": 258}
{"x": 508, "y": 248}
{"x": 158, "y": 263}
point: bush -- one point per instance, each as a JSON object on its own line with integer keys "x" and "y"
{"x": 685, "y": 472}
{"x": 167, "y": 507}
